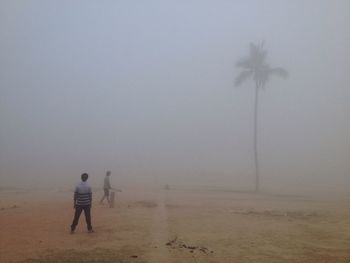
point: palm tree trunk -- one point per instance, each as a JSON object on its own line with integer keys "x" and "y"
{"x": 256, "y": 138}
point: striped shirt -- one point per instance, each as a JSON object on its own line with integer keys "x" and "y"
{"x": 83, "y": 194}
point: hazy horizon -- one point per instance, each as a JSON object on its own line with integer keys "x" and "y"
{"x": 146, "y": 89}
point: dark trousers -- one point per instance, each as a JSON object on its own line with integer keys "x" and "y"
{"x": 78, "y": 210}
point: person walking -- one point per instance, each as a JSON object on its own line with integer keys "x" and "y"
{"x": 106, "y": 187}
{"x": 82, "y": 202}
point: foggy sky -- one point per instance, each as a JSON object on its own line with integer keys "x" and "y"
{"x": 146, "y": 88}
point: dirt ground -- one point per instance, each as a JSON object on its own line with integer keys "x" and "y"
{"x": 175, "y": 225}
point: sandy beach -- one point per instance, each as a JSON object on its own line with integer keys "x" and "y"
{"x": 175, "y": 225}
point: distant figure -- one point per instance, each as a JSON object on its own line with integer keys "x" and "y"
{"x": 82, "y": 201}
{"x": 106, "y": 188}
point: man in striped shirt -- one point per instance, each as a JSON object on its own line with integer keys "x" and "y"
{"x": 82, "y": 201}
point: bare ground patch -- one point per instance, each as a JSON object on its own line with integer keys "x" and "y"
{"x": 146, "y": 204}
{"x": 280, "y": 213}
{"x": 100, "y": 255}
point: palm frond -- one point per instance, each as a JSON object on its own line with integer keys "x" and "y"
{"x": 242, "y": 77}
{"x": 262, "y": 44}
{"x": 279, "y": 71}
{"x": 245, "y": 63}
{"x": 257, "y": 54}
{"x": 255, "y": 65}
{"x": 261, "y": 74}
{"x": 254, "y": 49}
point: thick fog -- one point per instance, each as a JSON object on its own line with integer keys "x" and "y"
{"x": 146, "y": 89}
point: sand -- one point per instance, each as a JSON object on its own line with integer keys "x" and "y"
{"x": 175, "y": 225}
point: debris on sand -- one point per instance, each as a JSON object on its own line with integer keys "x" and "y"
{"x": 171, "y": 242}
{"x": 11, "y": 207}
{"x": 177, "y": 244}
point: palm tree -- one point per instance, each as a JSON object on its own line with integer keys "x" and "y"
{"x": 255, "y": 67}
